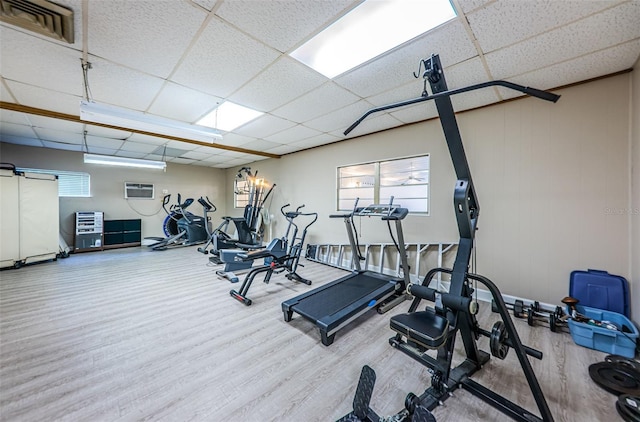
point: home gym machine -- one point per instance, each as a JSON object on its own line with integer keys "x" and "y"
{"x": 224, "y": 248}
{"x": 335, "y": 304}
{"x": 181, "y": 227}
{"x": 282, "y": 254}
{"x": 454, "y": 311}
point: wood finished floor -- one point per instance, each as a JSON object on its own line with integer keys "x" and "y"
{"x": 135, "y": 335}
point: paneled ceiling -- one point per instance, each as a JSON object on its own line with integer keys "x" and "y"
{"x": 179, "y": 58}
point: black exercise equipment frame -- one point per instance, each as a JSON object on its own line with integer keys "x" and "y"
{"x": 467, "y": 210}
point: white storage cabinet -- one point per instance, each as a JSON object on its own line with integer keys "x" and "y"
{"x": 29, "y": 218}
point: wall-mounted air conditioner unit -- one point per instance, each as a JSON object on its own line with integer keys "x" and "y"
{"x": 138, "y": 190}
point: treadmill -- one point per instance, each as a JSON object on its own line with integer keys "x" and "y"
{"x": 335, "y": 304}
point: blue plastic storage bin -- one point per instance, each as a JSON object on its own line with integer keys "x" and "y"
{"x": 601, "y": 290}
{"x": 603, "y": 339}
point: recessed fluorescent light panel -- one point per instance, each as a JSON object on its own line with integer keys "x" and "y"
{"x": 228, "y": 116}
{"x": 374, "y": 27}
{"x": 92, "y": 111}
{"x": 124, "y": 162}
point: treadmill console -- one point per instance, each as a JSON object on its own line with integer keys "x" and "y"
{"x": 386, "y": 211}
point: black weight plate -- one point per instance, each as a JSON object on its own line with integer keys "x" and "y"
{"x": 616, "y": 379}
{"x": 629, "y": 407}
{"x": 623, "y": 360}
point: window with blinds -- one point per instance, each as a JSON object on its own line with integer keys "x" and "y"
{"x": 406, "y": 179}
{"x": 70, "y": 183}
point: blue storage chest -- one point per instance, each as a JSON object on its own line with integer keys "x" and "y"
{"x": 603, "y": 339}
{"x": 601, "y": 290}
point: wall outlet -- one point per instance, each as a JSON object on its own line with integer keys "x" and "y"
{"x": 165, "y": 191}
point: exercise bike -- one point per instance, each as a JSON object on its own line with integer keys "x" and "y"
{"x": 283, "y": 254}
{"x": 181, "y": 227}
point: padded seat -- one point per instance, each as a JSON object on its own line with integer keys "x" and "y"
{"x": 425, "y": 328}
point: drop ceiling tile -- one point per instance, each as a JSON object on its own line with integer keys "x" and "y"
{"x": 215, "y": 159}
{"x": 231, "y": 154}
{"x": 264, "y": 126}
{"x": 51, "y": 123}
{"x": 207, "y": 4}
{"x": 130, "y": 154}
{"x": 5, "y": 95}
{"x": 202, "y": 164}
{"x": 20, "y": 140}
{"x": 207, "y": 150}
{"x": 396, "y": 68}
{"x": 59, "y": 136}
{"x": 469, "y": 72}
{"x": 113, "y": 84}
{"x": 235, "y": 140}
{"x": 136, "y": 147}
{"x": 10, "y": 116}
{"x": 261, "y": 145}
{"x": 239, "y": 161}
{"x": 143, "y": 35}
{"x": 154, "y": 157}
{"x": 582, "y": 68}
{"x": 180, "y": 160}
{"x": 371, "y": 125}
{"x": 470, "y": 5}
{"x": 13, "y": 129}
{"x": 138, "y": 137}
{"x": 474, "y": 99}
{"x": 60, "y": 145}
{"x": 195, "y": 155}
{"x": 314, "y": 104}
{"x": 182, "y": 145}
{"x": 284, "y": 149}
{"x": 182, "y": 103}
{"x": 315, "y": 141}
{"x": 294, "y": 134}
{"x": 94, "y": 141}
{"x": 214, "y": 65}
{"x": 405, "y": 92}
{"x": 102, "y": 151}
{"x": 606, "y": 29}
{"x": 281, "y": 82}
{"x": 103, "y": 132}
{"x": 416, "y": 113}
{"x": 267, "y": 20}
{"x": 47, "y": 64}
{"x": 341, "y": 118}
{"x": 34, "y": 96}
{"x": 521, "y": 20}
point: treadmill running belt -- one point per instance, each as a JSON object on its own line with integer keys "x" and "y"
{"x": 329, "y": 301}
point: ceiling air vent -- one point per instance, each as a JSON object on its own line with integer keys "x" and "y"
{"x": 138, "y": 190}
{"x": 41, "y": 16}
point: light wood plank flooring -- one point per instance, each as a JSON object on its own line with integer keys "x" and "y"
{"x": 136, "y": 335}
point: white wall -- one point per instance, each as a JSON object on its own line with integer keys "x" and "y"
{"x": 107, "y": 187}
{"x": 550, "y": 178}
{"x": 634, "y": 214}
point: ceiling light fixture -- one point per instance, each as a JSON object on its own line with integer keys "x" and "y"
{"x": 124, "y": 162}
{"x": 92, "y": 111}
{"x": 228, "y": 116}
{"x": 369, "y": 30}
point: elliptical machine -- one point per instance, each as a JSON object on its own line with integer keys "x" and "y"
{"x": 181, "y": 227}
{"x": 275, "y": 260}
{"x": 248, "y": 230}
